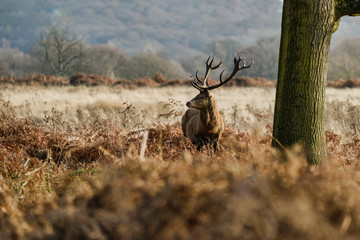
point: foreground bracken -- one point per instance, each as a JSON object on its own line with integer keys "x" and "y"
{"x": 90, "y": 183}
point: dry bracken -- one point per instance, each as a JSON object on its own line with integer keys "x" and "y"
{"x": 81, "y": 178}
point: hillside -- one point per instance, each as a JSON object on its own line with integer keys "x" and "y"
{"x": 176, "y": 27}
{"x": 133, "y": 25}
{"x": 120, "y": 38}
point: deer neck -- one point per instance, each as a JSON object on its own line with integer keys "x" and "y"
{"x": 210, "y": 116}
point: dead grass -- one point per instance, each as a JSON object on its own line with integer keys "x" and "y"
{"x": 82, "y": 178}
{"x": 157, "y": 81}
{"x": 95, "y": 80}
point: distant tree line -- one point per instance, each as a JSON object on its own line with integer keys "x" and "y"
{"x": 63, "y": 54}
{"x": 130, "y": 24}
{"x": 264, "y": 53}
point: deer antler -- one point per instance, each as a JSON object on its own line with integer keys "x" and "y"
{"x": 205, "y": 82}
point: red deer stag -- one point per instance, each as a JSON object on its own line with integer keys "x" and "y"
{"x": 202, "y": 122}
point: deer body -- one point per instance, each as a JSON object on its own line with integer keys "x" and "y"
{"x": 202, "y": 122}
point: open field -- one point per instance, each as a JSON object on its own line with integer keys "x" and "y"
{"x": 71, "y": 168}
{"x": 244, "y": 109}
{"x": 238, "y": 105}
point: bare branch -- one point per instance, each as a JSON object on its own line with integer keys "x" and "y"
{"x": 61, "y": 52}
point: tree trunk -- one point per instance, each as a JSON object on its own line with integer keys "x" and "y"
{"x": 307, "y": 26}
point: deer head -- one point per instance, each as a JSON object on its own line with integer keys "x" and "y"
{"x": 202, "y": 100}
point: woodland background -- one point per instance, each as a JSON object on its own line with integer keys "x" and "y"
{"x": 137, "y": 39}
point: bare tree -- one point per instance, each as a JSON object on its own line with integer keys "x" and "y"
{"x": 16, "y": 63}
{"x": 4, "y": 67}
{"x": 107, "y": 61}
{"x": 61, "y": 52}
{"x": 344, "y": 60}
{"x": 149, "y": 63}
{"x": 224, "y": 49}
{"x": 266, "y": 53}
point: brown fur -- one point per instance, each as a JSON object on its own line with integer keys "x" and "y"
{"x": 202, "y": 122}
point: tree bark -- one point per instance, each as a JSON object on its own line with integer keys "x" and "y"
{"x": 307, "y": 26}
{"x": 346, "y": 7}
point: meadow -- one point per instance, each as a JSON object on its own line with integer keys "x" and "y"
{"x": 107, "y": 162}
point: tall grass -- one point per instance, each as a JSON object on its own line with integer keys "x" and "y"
{"x": 72, "y": 170}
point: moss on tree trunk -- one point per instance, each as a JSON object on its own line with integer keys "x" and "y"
{"x": 306, "y": 31}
